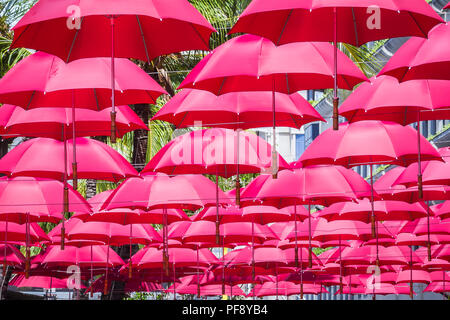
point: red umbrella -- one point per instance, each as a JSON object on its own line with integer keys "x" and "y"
{"x": 11, "y": 257}
{"x": 368, "y": 142}
{"x": 431, "y": 172}
{"x": 112, "y": 29}
{"x": 135, "y": 285}
{"x": 339, "y": 21}
{"x": 443, "y": 210}
{"x": 48, "y": 122}
{"x": 44, "y": 157}
{"x": 226, "y": 215}
{"x": 284, "y": 288}
{"x": 127, "y": 216}
{"x": 159, "y": 191}
{"x": 422, "y": 58}
{"x": 236, "y": 110}
{"x": 46, "y": 282}
{"x": 386, "y": 99}
{"x": 205, "y": 290}
{"x": 394, "y": 255}
{"x": 254, "y": 63}
{"x": 305, "y": 186}
{"x": 383, "y": 210}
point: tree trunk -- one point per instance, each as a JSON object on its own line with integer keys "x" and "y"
{"x": 140, "y": 140}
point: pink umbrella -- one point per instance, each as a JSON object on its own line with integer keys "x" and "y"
{"x": 236, "y": 110}
{"x": 368, "y": 142}
{"x": 159, "y": 191}
{"x": 117, "y": 29}
{"x": 383, "y": 210}
{"x": 44, "y": 157}
{"x": 47, "y": 282}
{"x": 135, "y": 285}
{"x": 186, "y": 287}
{"x": 443, "y": 210}
{"x": 217, "y": 151}
{"x": 25, "y": 197}
{"x": 48, "y": 122}
{"x": 422, "y": 58}
{"x": 11, "y": 257}
{"x": 284, "y": 288}
{"x": 291, "y": 188}
{"x": 386, "y": 99}
{"x": 263, "y": 66}
{"x": 431, "y": 172}
{"x": 345, "y": 21}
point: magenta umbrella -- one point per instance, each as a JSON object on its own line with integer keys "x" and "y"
{"x": 48, "y": 122}
{"x": 368, "y": 142}
{"x": 220, "y": 152}
{"x": 45, "y": 158}
{"x": 253, "y": 63}
{"x": 422, "y": 58}
{"x": 112, "y": 29}
{"x": 353, "y": 22}
{"x": 236, "y": 110}
{"x": 159, "y": 191}
{"x": 305, "y": 186}
{"x": 25, "y": 197}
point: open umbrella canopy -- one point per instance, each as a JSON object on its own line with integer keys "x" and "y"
{"x": 127, "y": 216}
{"x": 130, "y": 285}
{"x": 237, "y": 110}
{"x": 433, "y": 172}
{"x": 214, "y": 151}
{"x": 384, "y": 98}
{"x": 11, "y": 256}
{"x": 158, "y": 190}
{"x": 443, "y": 210}
{"x": 288, "y": 21}
{"x": 49, "y": 122}
{"x": 43, "y": 80}
{"x": 141, "y": 29}
{"x": 395, "y": 255}
{"x": 45, "y": 282}
{"x": 375, "y": 142}
{"x": 422, "y": 58}
{"x": 150, "y": 258}
{"x": 36, "y": 199}
{"x": 306, "y": 186}
{"x": 230, "y": 233}
{"x": 113, "y": 233}
{"x": 383, "y": 210}
{"x": 253, "y": 63}
{"x": 84, "y": 257}
{"x": 285, "y": 288}
{"x": 44, "y": 158}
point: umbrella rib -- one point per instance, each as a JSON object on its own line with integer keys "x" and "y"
{"x": 31, "y": 98}
{"x": 198, "y": 33}
{"x": 73, "y": 41}
{"x": 96, "y": 99}
{"x": 284, "y": 27}
{"x": 355, "y": 27}
{"x": 143, "y": 39}
{"x": 418, "y": 25}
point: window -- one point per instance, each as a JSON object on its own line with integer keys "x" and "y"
{"x": 311, "y": 132}
{"x": 433, "y": 125}
{"x": 424, "y": 128}
{"x": 299, "y": 145}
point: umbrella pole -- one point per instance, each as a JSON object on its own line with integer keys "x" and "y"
{"x": 428, "y": 231}
{"x": 165, "y": 243}
{"x": 92, "y": 274}
{"x": 130, "y": 268}
{"x": 66, "y": 191}
{"x": 174, "y": 281}
{"x": 5, "y": 250}
{"x": 238, "y": 183}
{"x": 419, "y": 160}
{"x": 253, "y": 258}
{"x": 309, "y": 235}
{"x": 113, "y": 86}
{"x": 301, "y": 274}
{"x": 217, "y": 210}
{"x": 411, "y": 274}
{"x": 198, "y": 276}
{"x": 340, "y": 267}
{"x": 276, "y": 278}
{"x": 105, "y": 289}
{"x": 274, "y": 133}
{"x": 74, "y": 163}
{"x": 371, "y": 202}
{"x": 27, "y": 247}
{"x": 296, "y": 237}
{"x": 335, "y": 91}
